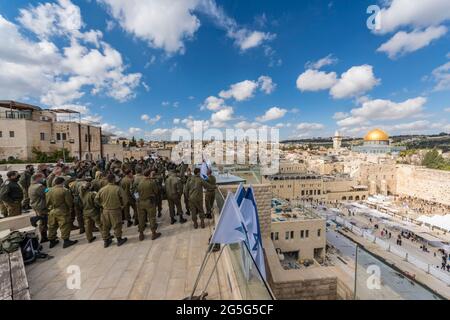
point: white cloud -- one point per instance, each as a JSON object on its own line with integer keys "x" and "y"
{"x": 176, "y": 121}
{"x": 326, "y": 61}
{"x": 162, "y": 24}
{"x": 149, "y": 120}
{"x": 39, "y": 69}
{"x": 266, "y": 84}
{"x": 403, "y": 42}
{"x": 313, "y": 80}
{"x": 190, "y": 121}
{"x": 421, "y": 125}
{"x": 272, "y": 114}
{"x": 383, "y": 110}
{"x": 307, "y": 129}
{"x": 247, "y": 39}
{"x": 425, "y": 18}
{"x": 213, "y": 104}
{"x": 447, "y": 109}
{"x": 245, "y": 90}
{"x": 245, "y": 125}
{"x": 417, "y": 14}
{"x": 240, "y": 91}
{"x": 340, "y": 115}
{"x": 219, "y": 118}
{"x": 84, "y": 110}
{"x": 50, "y": 19}
{"x": 134, "y": 130}
{"x": 159, "y": 133}
{"x": 441, "y": 76}
{"x": 305, "y": 126}
{"x": 354, "y": 82}
{"x": 168, "y": 25}
{"x": 244, "y": 38}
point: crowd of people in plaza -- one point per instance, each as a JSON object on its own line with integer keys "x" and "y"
{"x": 106, "y": 195}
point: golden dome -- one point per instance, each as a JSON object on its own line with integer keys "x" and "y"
{"x": 376, "y": 135}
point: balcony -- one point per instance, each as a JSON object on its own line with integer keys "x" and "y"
{"x": 16, "y": 115}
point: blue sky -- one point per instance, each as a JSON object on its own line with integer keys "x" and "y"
{"x": 307, "y": 67}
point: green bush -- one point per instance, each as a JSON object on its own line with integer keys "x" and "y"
{"x": 433, "y": 160}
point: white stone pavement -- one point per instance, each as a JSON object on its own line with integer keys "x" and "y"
{"x": 161, "y": 269}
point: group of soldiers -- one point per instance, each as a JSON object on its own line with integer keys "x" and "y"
{"x": 103, "y": 195}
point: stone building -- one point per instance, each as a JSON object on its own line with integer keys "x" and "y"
{"x": 316, "y": 188}
{"x": 300, "y": 234}
{"x": 25, "y": 127}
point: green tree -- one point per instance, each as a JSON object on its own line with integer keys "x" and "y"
{"x": 434, "y": 160}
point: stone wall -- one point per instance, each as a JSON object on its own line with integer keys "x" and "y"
{"x": 312, "y": 283}
{"x": 422, "y": 183}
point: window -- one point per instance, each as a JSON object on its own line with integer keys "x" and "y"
{"x": 58, "y": 136}
{"x": 292, "y": 234}
{"x": 307, "y": 234}
{"x": 64, "y": 136}
{"x": 1, "y": 134}
{"x": 302, "y": 234}
{"x": 42, "y": 136}
{"x": 276, "y": 235}
{"x": 271, "y": 236}
{"x": 11, "y": 134}
{"x": 319, "y": 232}
{"x": 287, "y": 235}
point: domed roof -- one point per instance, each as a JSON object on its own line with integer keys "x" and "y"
{"x": 376, "y": 135}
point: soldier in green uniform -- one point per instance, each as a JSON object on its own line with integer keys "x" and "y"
{"x": 160, "y": 177}
{"x": 59, "y": 202}
{"x": 2, "y": 205}
{"x": 210, "y": 194}
{"x": 12, "y": 195}
{"x": 187, "y": 177}
{"x": 91, "y": 211}
{"x": 38, "y": 203}
{"x": 148, "y": 191}
{"x": 127, "y": 185}
{"x": 112, "y": 199}
{"x": 174, "y": 190}
{"x": 74, "y": 187}
{"x": 57, "y": 171}
{"x": 136, "y": 181}
{"x": 194, "y": 188}
{"x": 24, "y": 182}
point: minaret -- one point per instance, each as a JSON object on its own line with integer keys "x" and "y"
{"x": 337, "y": 141}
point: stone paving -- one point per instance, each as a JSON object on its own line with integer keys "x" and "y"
{"x": 148, "y": 270}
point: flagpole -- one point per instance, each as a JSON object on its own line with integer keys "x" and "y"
{"x": 214, "y": 269}
{"x": 202, "y": 267}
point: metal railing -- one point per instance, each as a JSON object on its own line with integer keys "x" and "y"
{"x": 396, "y": 250}
{"x": 250, "y": 282}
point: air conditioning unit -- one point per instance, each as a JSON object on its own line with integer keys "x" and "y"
{"x": 52, "y": 141}
{"x": 71, "y": 141}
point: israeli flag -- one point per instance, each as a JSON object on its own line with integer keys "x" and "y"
{"x": 231, "y": 227}
{"x": 249, "y": 212}
{"x": 204, "y": 170}
{"x": 240, "y": 194}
